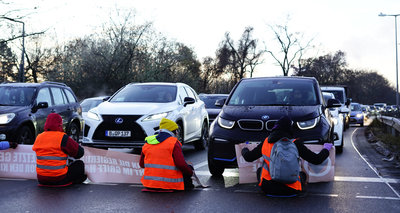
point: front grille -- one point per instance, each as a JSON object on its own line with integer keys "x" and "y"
{"x": 270, "y": 124}
{"x": 251, "y": 125}
{"x": 128, "y": 124}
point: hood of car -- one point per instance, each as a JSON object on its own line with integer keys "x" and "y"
{"x": 296, "y": 113}
{"x": 14, "y": 109}
{"x": 134, "y": 108}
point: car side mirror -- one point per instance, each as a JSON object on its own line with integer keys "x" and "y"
{"x": 220, "y": 102}
{"x": 188, "y": 100}
{"x": 333, "y": 103}
{"x": 40, "y": 105}
{"x": 106, "y": 98}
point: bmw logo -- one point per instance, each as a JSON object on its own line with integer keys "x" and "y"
{"x": 119, "y": 120}
{"x": 265, "y": 117}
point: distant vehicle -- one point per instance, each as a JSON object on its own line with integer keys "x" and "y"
{"x": 24, "y": 108}
{"x": 212, "y": 109}
{"x": 88, "y": 104}
{"x": 134, "y": 112}
{"x": 337, "y": 118}
{"x": 255, "y": 104}
{"x": 340, "y": 93}
{"x": 356, "y": 115}
{"x": 381, "y": 107}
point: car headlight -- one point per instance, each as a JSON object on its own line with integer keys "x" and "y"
{"x": 93, "y": 115}
{"x": 303, "y": 125}
{"x": 227, "y": 124}
{"x": 6, "y": 118}
{"x": 156, "y": 116}
{"x": 359, "y": 115}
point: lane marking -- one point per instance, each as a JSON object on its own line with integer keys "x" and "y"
{"x": 377, "y": 197}
{"x": 370, "y": 166}
{"x": 366, "y": 179}
{"x": 226, "y": 173}
{"x": 199, "y": 165}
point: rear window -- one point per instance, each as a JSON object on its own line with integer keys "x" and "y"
{"x": 146, "y": 93}
{"x": 275, "y": 92}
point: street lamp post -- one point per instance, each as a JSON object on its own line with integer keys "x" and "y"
{"x": 397, "y": 67}
{"x": 21, "y": 75}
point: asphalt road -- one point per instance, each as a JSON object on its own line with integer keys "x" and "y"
{"x": 363, "y": 183}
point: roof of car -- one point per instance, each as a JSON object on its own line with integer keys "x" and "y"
{"x": 23, "y": 84}
{"x": 158, "y": 83}
{"x": 281, "y": 77}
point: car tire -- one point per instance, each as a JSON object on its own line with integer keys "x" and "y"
{"x": 202, "y": 143}
{"x": 25, "y": 135}
{"x": 180, "y": 134}
{"x": 73, "y": 131}
{"x": 339, "y": 149}
{"x": 214, "y": 169}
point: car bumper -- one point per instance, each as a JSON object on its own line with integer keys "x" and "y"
{"x": 112, "y": 144}
{"x": 357, "y": 120}
{"x": 7, "y": 133}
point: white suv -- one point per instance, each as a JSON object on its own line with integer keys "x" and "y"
{"x": 134, "y": 112}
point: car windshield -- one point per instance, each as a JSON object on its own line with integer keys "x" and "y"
{"x": 146, "y": 93}
{"x": 210, "y": 100}
{"x": 338, "y": 95}
{"x": 16, "y": 96}
{"x": 355, "y": 107}
{"x": 88, "y": 104}
{"x": 275, "y": 92}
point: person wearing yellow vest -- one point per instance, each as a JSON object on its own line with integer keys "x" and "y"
{"x": 162, "y": 158}
{"x": 53, "y": 147}
{"x": 283, "y": 129}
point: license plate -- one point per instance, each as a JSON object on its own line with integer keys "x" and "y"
{"x": 118, "y": 133}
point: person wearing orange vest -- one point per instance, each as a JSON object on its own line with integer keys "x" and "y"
{"x": 162, "y": 158}
{"x": 53, "y": 147}
{"x": 283, "y": 129}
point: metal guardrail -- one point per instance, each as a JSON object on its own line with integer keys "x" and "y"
{"x": 390, "y": 121}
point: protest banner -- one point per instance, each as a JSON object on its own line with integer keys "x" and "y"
{"x": 247, "y": 170}
{"x": 323, "y": 172}
{"x": 101, "y": 166}
{"x": 18, "y": 163}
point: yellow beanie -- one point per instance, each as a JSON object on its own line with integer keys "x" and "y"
{"x": 168, "y": 124}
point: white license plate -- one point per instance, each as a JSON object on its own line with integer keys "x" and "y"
{"x": 118, "y": 133}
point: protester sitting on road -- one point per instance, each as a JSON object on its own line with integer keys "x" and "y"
{"x": 53, "y": 147}
{"x": 162, "y": 158}
{"x": 5, "y": 145}
{"x": 283, "y": 129}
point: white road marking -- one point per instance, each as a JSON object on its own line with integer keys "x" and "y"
{"x": 199, "y": 165}
{"x": 366, "y": 179}
{"x": 226, "y": 173}
{"x": 377, "y": 197}
{"x": 373, "y": 169}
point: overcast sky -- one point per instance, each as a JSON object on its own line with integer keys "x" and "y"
{"x": 352, "y": 26}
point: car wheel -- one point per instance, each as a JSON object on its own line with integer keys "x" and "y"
{"x": 202, "y": 143}
{"x": 74, "y": 132}
{"x": 25, "y": 136}
{"x": 362, "y": 124}
{"x": 339, "y": 149}
{"x": 180, "y": 133}
{"x": 215, "y": 170}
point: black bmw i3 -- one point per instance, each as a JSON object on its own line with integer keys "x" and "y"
{"x": 253, "y": 107}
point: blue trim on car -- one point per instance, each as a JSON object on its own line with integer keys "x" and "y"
{"x": 223, "y": 159}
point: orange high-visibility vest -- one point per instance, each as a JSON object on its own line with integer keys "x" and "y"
{"x": 51, "y": 161}
{"x": 266, "y": 151}
{"x": 159, "y": 167}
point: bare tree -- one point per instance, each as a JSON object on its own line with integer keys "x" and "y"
{"x": 291, "y": 45}
{"x": 241, "y": 59}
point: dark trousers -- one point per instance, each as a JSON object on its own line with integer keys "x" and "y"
{"x": 75, "y": 174}
{"x": 272, "y": 187}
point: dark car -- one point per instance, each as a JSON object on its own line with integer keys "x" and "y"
{"x": 24, "y": 108}
{"x": 212, "y": 109}
{"x": 253, "y": 107}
